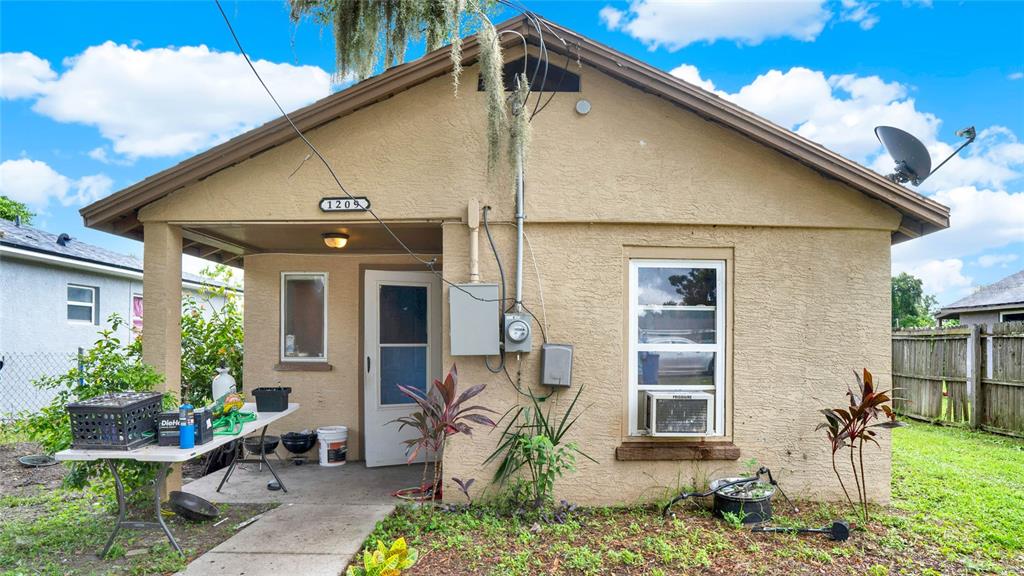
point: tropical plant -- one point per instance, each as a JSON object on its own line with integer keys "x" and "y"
{"x": 109, "y": 365}
{"x": 211, "y": 334}
{"x": 530, "y": 449}
{"x": 369, "y": 33}
{"x": 12, "y": 210}
{"x": 442, "y": 414}
{"x": 853, "y": 426}
{"x": 385, "y": 561}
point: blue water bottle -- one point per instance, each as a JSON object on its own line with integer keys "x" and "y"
{"x": 186, "y": 427}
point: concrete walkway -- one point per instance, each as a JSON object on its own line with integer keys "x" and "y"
{"x": 319, "y": 526}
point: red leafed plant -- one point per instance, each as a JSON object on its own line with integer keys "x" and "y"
{"x": 852, "y": 426}
{"x": 442, "y": 414}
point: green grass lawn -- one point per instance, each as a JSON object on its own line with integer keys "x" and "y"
{"x": 958, "y": 508}
{"x": 967, "y": 486}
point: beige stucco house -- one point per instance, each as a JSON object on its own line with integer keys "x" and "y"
{"x": 678, "y": 242}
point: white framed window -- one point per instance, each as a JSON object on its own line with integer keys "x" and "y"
{"x": 303, "y": 316}
{"x": 1012, "y": 316}
{"x": 82, "y": 304}
{"x": 677, "y": 336}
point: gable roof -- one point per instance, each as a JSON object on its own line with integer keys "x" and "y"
{"x": 1005, "y": 293}
{"x": 118, "y": 212}
{"x": 38, "y": 241}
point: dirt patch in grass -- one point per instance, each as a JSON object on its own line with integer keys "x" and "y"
{"x": 48, "y": 530}
{"x": 16, "y": 479}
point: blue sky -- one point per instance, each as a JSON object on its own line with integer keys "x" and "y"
{"x": 97, "y": 96}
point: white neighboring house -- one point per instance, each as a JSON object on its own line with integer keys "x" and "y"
{"x": 56, "y": 293}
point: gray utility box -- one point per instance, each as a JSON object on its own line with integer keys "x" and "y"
{"x": 556, "y": 365}
{"x": 475, "y": 312}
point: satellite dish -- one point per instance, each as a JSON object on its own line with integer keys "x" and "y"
{"x": 913, "y": 163}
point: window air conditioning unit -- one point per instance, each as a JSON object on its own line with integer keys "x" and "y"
{"x": 680, "y": 413}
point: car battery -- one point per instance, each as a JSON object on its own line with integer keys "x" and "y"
{"x": 204, "y": 426}
{"x": 167, "y": 424}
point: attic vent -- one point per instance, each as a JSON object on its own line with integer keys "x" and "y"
{"x": 558, "y": 79}
{"x": 63, "y": 239}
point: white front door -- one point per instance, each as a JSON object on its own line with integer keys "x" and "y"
{"x": 402, "y": 340}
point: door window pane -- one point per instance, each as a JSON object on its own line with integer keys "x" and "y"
{"x": 303, "y": 316}
{"x": 403, "y": 314}
{"x": 677, "y": 286}
{"x": 659, "y": 325}
{"x": 405, "y": 366}
{"x": 676, "y": 368}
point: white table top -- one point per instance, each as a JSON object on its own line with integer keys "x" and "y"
{"x": 157, "y": 453}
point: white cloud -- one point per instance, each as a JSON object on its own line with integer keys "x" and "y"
{"x": 23, "y": 75}
{"x": 943, "y": 277}
{"x": 170, "y": 101}
{"x": 982, "y": 185}
{"x": 35, "y": 183}
{"x": 100, "y": 155}
{"x": 674, "y": 25}
{"x": 1015, "y": 75}
{"x": 859, "y": 12}
{"x": 1001, "y": 260}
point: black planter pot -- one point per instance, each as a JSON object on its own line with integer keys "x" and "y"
{"x": 751, "y": 501}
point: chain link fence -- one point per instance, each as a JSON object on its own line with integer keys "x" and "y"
{"x": 18, "y": 372}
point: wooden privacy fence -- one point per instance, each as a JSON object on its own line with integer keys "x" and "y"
{"x": 944, "y": 374}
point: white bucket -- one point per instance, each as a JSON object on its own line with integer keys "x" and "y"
{"x": 333, "y": 445}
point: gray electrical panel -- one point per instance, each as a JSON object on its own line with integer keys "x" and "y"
{"x": 475, "y": 312}
{"x": 556, "y": 365}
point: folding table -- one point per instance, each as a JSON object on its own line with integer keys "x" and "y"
{"x": 165, "y": 456}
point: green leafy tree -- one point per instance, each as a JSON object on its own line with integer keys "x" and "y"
{"x": 110, "y": 365}
{"x": 12, "y": 209}
{"x": 211, "y": 333}
{"x": 911, "y": 307}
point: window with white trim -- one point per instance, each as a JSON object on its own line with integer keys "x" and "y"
{"x": 303, "y": 317}
{"x": 1012, "y": 316}
{"x": 82, "y": 304}
{"x": 677, "y": 337}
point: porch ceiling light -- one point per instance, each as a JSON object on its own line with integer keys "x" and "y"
{"x": 335, "y": 239}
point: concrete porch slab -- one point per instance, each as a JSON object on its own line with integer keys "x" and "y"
{"x": 318, "y": 527}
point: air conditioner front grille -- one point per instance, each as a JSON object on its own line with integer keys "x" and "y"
{"x": 681, "y": 415}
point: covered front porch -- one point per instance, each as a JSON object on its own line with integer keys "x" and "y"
{"x": 342, "y": 327}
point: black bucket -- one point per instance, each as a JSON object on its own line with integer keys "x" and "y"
{"x": 751, "y": 501}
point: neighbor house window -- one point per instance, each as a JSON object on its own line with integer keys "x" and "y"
{"x": 1012, "y": 316}
{"x": 83, "y": 304}
{"x": 677, "y": 339}
{"x": 303, "y": 316}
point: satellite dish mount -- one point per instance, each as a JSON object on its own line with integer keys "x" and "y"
{"x": 913, "y": 163}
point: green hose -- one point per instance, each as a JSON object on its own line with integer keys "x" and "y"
{"x": 231, "y": 424}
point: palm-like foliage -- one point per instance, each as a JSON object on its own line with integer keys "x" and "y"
{"x": 442, "y": 413}
{"x": 852, "y": 426}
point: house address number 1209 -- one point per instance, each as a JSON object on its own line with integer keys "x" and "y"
{"x": 345, "y": 204}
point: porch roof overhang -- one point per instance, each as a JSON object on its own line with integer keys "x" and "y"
{"x": 118, "y": 213}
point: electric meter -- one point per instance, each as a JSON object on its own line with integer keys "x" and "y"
{"x": 517, "y": 333}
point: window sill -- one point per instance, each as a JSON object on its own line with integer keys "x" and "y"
{"x": 630, "y": 451}
{"x": 303, "y": 367}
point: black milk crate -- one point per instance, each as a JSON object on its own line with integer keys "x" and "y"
{"x": 116, "y": 421}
